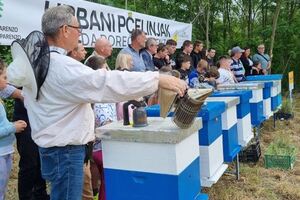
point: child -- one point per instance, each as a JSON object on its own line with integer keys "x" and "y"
{"x": 202, "y": 77}
{"x": 184, "y": 61}
{"x": 256, "y": 69}
{"x": 197, "y": 76}
{"x": 7, "y": 138}
{"x": 226, "y": 75}
{"x": 161, "y": 58}
{"x": 211, "y": 76}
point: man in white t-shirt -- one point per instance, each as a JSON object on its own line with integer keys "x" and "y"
{"x": 226, "y": 75}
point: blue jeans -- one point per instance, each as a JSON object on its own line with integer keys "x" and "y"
{"x": 62, "y": 167}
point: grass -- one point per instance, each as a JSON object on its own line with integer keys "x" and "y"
{"x": 281, "y": 146}
{"x": 256, "y": 183}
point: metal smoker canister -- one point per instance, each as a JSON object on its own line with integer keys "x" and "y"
{"x": 188, "y": 107}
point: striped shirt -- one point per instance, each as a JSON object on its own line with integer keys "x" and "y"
{"x": 238, "y": 70}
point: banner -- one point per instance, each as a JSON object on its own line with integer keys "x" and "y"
{"x": 19, "y": 17}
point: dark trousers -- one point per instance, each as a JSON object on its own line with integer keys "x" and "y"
{"x": 31, "y": 185}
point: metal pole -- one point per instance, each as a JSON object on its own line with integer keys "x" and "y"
{"x": 237, "y": 167}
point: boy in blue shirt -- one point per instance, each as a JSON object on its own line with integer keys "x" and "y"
{"x": 202, "y": 77}
{"x": 7, "y": 138}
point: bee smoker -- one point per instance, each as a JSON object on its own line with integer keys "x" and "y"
{"x": 186, "y": 107}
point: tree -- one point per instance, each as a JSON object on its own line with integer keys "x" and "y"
{"x": 277, "y": 11}
{"x": 207, "y": 25}
{"x": 226, "y": 23}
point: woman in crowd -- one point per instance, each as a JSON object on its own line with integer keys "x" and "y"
{"x": 247, "y": 62}
{"x": 124, "y": 62}
{"x": 251, "y": 68}
{"x": 105, "y": 113}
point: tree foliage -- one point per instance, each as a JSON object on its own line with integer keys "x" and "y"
{"x": 234, "y": 22}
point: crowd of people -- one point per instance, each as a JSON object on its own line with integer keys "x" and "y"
{"x": 197, "y": 66}
{"x": 55, "y": 128}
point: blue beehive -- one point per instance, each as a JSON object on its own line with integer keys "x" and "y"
{"x": 154, "y": 111}
{"x": 212, "y": 123}
{"x": 267, "y": 110}
{"x": 256, "y": 102}
{"x": 243, "y": 108}
{"x": 268, "y": 77}
{"x": 267, "y": 89}
{"x": 229, "y": 127}
{"x": 211, "y": 143}
{"x": 159, "y": 161}
{"x": 276, "y": 96}
{"x": 208, "y": 112}
{"x": 245, "y": 133}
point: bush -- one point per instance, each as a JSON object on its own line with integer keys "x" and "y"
{"x": 9, "y": 107}
{"x": 287, "y": 106}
